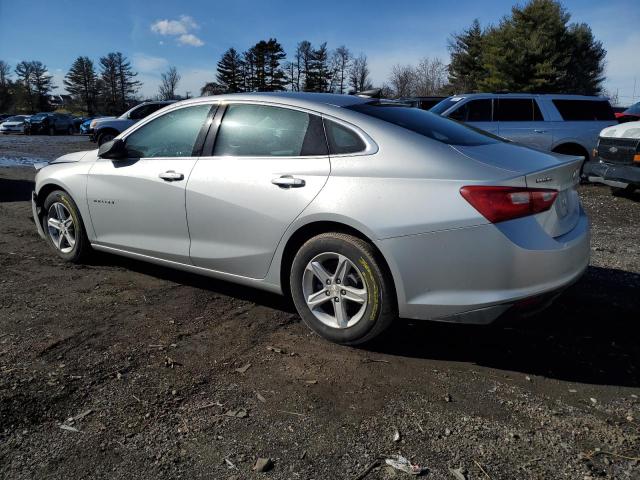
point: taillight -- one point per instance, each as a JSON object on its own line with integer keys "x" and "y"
{"x": 498, "y": 204}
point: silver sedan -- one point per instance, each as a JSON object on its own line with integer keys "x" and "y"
{"x": 361, "y": 210}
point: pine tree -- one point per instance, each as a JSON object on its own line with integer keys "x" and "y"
{"x": 37, "y": 84}
{"x": 119, "y": 82}
{"x": 466, "y": 67}
{"x": 263, "y": 72}
{"x": 231, "y": 71}
{"x": 82, "y": 82}
{"x": 6, "y": 96}
{"x": 318, "y": 74}
{"x": 537, "y": 50}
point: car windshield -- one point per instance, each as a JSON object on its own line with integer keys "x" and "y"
{"x": 635, "y": 109}
{"x": 426, "y": 123}
{"x": 445, "y": 104}
{"x": 17, "y": 118}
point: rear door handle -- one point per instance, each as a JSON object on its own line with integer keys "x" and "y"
{"x": 287, "y": 181}
{"x": 537, "y": 130}
{"x": 171, "y": 176}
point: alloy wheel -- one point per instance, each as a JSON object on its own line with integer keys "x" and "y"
{"x": 334, "y": 290}
{"x": 61, "y": 227}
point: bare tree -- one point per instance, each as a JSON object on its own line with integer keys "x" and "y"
{"x": 339, "y": 65}
{"x": 430, "y": 77}
{"x": 402, "y": 80}
{"x": 359, "y": 74}
{"x": 170, "y": 79}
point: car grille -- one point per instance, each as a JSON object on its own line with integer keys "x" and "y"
{"x": 618, "y": 150}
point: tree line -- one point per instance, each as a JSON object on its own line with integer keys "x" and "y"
{"x": 264, "y": 68}
{"x": 533, "y": 49}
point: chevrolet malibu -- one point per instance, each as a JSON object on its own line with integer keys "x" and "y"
{"x": 362, "y": 210}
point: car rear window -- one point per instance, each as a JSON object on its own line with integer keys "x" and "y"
{"x": 584, "y": 110}
{"x": 426, "y": 123}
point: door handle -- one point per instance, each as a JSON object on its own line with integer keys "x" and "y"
{"x": 537, "y": 130}
{"x": 287, "y": 181}
{"x": 171, "y": 176}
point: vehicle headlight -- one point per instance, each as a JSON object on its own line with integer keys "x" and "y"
{"x": 93, "y": 123}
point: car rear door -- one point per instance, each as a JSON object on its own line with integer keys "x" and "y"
{"x": 137, "y": 204}
{"x": 520, "y": 120}
{"x": 265, "y": 164}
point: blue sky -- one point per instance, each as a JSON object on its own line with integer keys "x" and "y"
{"x": 192, "y": 34}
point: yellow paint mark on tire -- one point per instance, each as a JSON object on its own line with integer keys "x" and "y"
{"x": 372, "y": 286}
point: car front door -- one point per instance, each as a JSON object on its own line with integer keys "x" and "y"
{"x": 520, "y": 120}
{"x": 137, "y": 204}
{"x": 266, "y": 166}
{"x": 478, "y": 113}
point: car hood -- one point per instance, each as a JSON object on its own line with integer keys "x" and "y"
{"x": 622, "y": 130}
{"x": 12, "y": 124}
{"x": 72, "y": 157}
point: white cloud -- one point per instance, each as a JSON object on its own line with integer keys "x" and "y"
{"x": 148, "y": 63}
{"x": 190, "y": 39}
{"x": 181, "y": 28}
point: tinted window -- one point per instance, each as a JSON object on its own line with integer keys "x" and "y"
{"x": 145, "y": 111}
{"x": 577, "y": 110}
{"x": 445, "y": 104}
{"x": 517, "y": 110}
{"x": 473, "y": 111}
{"x": 173, "y": 134}
{"x": 426, "y": 123}
{"x": 263, "y": 131}
{"x": 342, "y": 139}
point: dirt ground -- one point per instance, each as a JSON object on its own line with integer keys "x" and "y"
{"x": 120, "y": 369}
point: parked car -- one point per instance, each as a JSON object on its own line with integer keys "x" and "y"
{"x": 106, "y": 129}
{"x": 4, "y": 116}
{"x": 567, "y": 124}
{"x": 49, "y": 123}
{"x": 13, "y": 124}
{"x": 617, "y": 158}
{"x": 85, "y": 126}
{"x": 361, "y": 209}
{"x": 630, "y": 114}
{"x": 425, "y": 103}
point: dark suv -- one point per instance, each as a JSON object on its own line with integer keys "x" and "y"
{"x": 49, "y": 123}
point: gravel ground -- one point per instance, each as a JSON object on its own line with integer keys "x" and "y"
{"x": 120, "y": 369}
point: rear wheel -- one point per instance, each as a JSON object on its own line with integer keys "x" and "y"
{"x": 341, "y": 289}
{"x": 576, "y": 150}
{"x": 51, "y": 131}
{"x": 70, "y": 130}
{"x": 63, "y": 227}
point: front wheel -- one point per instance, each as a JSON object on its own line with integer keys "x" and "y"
{"x": 105, "y": 137}
{"x": 63, "y": 227}
{"x": 341, "y": 289}
{"x": 52, "y": 131}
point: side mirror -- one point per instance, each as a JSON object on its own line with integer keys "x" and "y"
{"x": 113, "y": 149}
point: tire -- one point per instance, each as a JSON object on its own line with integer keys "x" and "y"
{"x": 623, "y": 192}
{"x": 367, "y": 317}
{"x": 105, "y": 137}
{"x": 70, "y": 130}
{"x": 51, "y": 131}
{"x": 60, "y": 243}
{"x": 578, "y": 152}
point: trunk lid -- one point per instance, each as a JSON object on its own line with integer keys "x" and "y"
{"x": 540, "y": 170}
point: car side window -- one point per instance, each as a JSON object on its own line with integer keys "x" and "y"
{"x": 515, "y": 110}
{"x": 473, "y": 111}
{"x": 144, "y": 111}
{"x": 342, "y": 139}
{"x": 265, "y": 131}
{"x": 173, "y": 134}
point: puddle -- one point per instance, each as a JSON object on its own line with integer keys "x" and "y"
{"x": 20, "y": 161}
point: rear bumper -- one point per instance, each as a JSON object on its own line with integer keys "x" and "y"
{"x": 476, "y": 274}
{"x": 36, "y": 214}
{"x": 612, "y": 174}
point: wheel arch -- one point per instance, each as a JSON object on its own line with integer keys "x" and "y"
{"x": 572, "y": 148}
{"x": 106, "y": 129}
{"x": 43, "y": 192}
{"x": 317, "y": 227}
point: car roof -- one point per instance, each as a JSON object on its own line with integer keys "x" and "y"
{"x": 312, "y": 101}
{"x": 556, "y": 96}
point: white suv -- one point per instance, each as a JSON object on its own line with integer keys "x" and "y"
{"x": 567, "y": 124}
